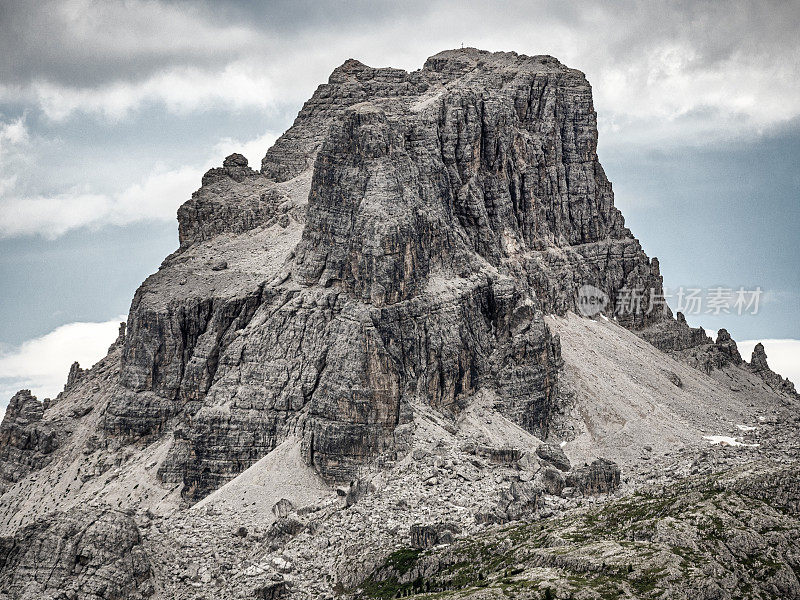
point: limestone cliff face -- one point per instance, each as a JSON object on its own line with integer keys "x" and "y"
{"x": 26, "y": 444}
{"x": 94, "y": 554}
{"x": 399, "y": 245}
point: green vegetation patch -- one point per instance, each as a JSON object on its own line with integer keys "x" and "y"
{"x": 618, "y": 549}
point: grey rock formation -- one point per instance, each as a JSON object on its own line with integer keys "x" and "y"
{"x": 274, "y": 590}
{"x": 377, "y": 305}
{"x": 727, "y": 347}
{"x": 553, "y": 454}
{"x": 694, "y": 347}
{"x": 600, "y": 477}
{"x": 282, "y": 508}
{"x": 75, "y": 373}
{"x": 428, "y": 536}
{"x": 758, "y": 361}
{"x": 120, "y": 341}
{"x": 552, "y": 481}
{"x": 675, "y": 335}
{"x": 501, "y": 456}
{"x": 233, "y": 198}
{"x": 415, "y": 227}
{"x": 707, "y": 357}
{"x": 25, "y": 442}
{"x": 758, "y": 364}
{"x": 523, "y": 498}
{"x": 87, "y": 554}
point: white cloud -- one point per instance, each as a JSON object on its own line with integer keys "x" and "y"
{"x": 13, "y": 133}
{"x": 13, "y": 139}
{"x": 157, "y": 198}
{"x": 254, "y": 150}
{"x": 42, "y": 364}
{"x": 783, "y": 356}
{"x": 181, "y": 90}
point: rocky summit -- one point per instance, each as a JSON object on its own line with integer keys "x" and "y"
{"x": 368, "y": 372}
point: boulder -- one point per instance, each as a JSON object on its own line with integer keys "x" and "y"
{"x": 554, "y": 455}
{"x": 427, "y": 536}
{"x": 602, "y": 476}
{"x": 85, "y": 552}
{"x": 282, "y": 508}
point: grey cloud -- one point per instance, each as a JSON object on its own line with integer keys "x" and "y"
{"x": 718, "y": 31}
{"x": 89, "y": 43}
{"x": 650, "y": 62}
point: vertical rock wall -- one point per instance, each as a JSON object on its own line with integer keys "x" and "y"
{"x": 400, "y": 245}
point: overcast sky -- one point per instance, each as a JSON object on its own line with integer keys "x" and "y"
{"x": 111, "y": 111}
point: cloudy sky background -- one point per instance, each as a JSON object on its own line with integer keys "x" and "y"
{"x": 111, "y": 111}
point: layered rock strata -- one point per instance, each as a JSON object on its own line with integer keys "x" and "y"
{"x": 91, "y": 554}
{"x": 26, "y": 443}
{"x": 401, "y": 242}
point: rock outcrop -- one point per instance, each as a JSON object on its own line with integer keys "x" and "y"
{"x": 600, "y": 477}
{"x": 554, "y": 455}
{"x": 91, "y": 554}
{"x": 709, "y": 356}
{"x": 75, "y": 373}
{"x": 675, "y": 335}
{"x": 428, "y": 536}
{"x": 25, "y": 442}
{"x": 400, "y": 244}
{"x": 758, "y": 364}
{"x": 693, "y": 346}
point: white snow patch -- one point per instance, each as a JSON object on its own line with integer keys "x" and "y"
{"x": 745, "y": 428}
{"x": 725, "y": 440}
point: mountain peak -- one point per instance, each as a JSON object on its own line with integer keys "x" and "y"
{"x": 390, "y": 314}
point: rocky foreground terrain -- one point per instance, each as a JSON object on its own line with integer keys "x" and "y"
{"x": 363, "y": 374}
